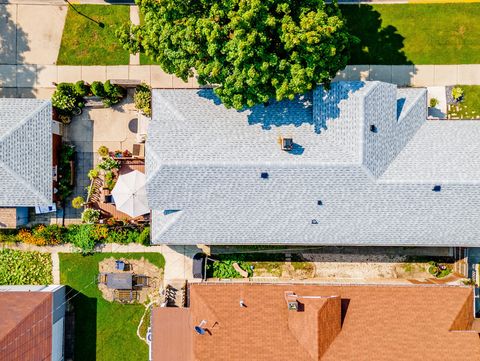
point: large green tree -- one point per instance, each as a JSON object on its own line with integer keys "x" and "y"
{"x": 251, "y": 50}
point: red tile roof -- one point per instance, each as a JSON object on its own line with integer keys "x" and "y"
{"x": 347, "y": 323}
{"x": 25, "y": 326}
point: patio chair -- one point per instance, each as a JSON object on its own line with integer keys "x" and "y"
{"x": 108, "y": 199}
{"x": 102, "y": 278}
{"x": 120, "y": 265}
{"x": 140, "y": 281}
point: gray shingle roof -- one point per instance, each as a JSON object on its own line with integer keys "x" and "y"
{"x": 375, "y": 188}
{"x": 25, "y": 152}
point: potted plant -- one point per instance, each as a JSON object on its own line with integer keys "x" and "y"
{"x": 78, "y": 202}
{"x": 103, "y": 151}
{"x": 90, "y": 215}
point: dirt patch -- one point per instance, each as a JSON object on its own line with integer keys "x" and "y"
{"x": 137, "y": 267}
{"x": 367, "y": 266}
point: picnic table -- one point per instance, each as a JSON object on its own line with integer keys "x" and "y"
{"x": 120, "y": 281}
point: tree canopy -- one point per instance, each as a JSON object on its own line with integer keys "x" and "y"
{"x": 250, "y": 50}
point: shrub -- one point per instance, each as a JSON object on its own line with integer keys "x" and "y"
{"x": 78, "y": 202}
{"x": 51, "y": 234}
{"x": 92, "y": 174}
{"x": 224, "y": 269}
{"x": 80, "y": 236}
{"x": 439, "y": 270}
{"x": 143, "y": 99}
{"x": 103, "y": 151}
{"x": 99, "y": 233}
{"x": 114, "y": 91}
{"x": 64, "y": 102}
{"x": 98, "y": 89}
{"x": 144, "y": 237}
{"x": 109, "y": 164}
{"x": 42, "y": 235}
{"x": 82, "y": 89}
{"x": 90, "y": 215}
{"x": 110, "y": 180}
{"x": 66, "y": 99}
{"x": 9, "y": 235}
{"x": 457, "y": 93}
{"x": 25, "y": 268}
{"x": 65, "y": 187}
{"x": 433, "y": 102}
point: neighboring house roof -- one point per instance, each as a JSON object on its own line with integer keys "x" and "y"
{"x": 362, "y": 170}
{"x": 360, "y": 322}
{"x": 25, "y": 152}
{"x": 26, "y": 326}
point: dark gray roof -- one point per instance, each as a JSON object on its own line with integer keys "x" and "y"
{"x": 25, "y": 152}
{"x": 375, "y": 188}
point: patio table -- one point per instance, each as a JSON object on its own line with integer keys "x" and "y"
{"x": 120, "y": 281}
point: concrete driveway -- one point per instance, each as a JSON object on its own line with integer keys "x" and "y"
{"x": 31, "y": 34}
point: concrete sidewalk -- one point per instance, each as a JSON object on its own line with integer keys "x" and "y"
{"x": 414, "y": 75}
{"x": 43, "y": 76}
{"x": 33, "y": 78}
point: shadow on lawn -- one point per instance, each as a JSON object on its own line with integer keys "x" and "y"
{"x": 85, "y": 344}
{"x": 378, "y": 45}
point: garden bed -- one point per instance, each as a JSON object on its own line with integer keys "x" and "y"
{"x": 25, "y": 268}
{"x": 468, "y": 106}
{"x": 260, "y": 265}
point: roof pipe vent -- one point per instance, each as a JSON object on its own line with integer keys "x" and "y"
{"x": 199, "y": 329}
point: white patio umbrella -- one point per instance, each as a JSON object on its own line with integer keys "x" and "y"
{"x": 129, "y": 194}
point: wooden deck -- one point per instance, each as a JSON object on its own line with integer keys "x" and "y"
{"x": 109, "y": 210}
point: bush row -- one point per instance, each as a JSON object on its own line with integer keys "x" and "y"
{"x": 82, "y": 236}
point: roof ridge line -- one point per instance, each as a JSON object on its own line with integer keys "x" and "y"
{"x": 37, "y": 110}
{"x": 24, "y": 182}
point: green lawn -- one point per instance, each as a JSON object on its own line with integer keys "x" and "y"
{"x": 415, "y": 33}
{"x": 25, "y": 268}
{"x": 104, "y": 331}
{"x": 85, "y": 43}
{"x": 469, "y": 107}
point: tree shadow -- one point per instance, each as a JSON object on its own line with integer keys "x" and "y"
{"x": 301, "y": 110}
{"x": 377, "y": 44}
{"x": 85, "y": 342}
{"x": 13, "y": 73}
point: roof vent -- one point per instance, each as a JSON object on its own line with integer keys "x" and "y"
{"x": 320, "y": 203}
{"x": 291, "y": 299}
{"x": 373, "y": 128}
{"x": 264, "y": 175}
{"x": 437, "y": 188}
{"x": 314, "y": 221}
{"x": 199, "y": 329}
{"x": 286, "y": 143}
